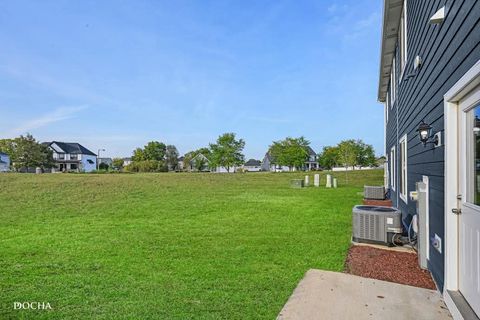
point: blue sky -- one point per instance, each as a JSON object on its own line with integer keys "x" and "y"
{"x": 117, "y": 74}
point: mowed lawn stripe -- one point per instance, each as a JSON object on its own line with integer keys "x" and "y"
{"x": 149, "y": 246}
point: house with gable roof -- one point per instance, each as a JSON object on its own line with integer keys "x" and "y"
{"x": 72, "y": 156}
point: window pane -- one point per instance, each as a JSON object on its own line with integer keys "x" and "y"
{"x": 475, "y": 154}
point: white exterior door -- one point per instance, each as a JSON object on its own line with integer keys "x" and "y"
{"x": 469, "y": 185}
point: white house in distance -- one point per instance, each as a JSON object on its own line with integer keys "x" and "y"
{"x": 312, "y": 161}
{"x": 268, "y": 165}
{"x": 253, "y": 165}
{"x": 310, "y": 164}
{"x": 193, "y": 163}
{"x": 180, "y": 163}
{"x": 72, "y": 156}
{"x": 127, "y": 161}
{"x": 4, "y": 162}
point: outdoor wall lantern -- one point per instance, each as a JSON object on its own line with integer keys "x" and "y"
{"x": 425, "y": 132}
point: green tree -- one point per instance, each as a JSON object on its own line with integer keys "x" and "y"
{"x": 171, "y": 157}
{"x": 155, "y": 150}
{"x": 199, "y": 163}
{"x": 227, "y": 152}
{"x": 8, "y": 146}
{"x": 26, "y": 152}
{"x": 117, "y": 163}
{"x": 138, "y": 155}
{"x": 329, "y": 157}
{"x": 188, "y": 157}
{"x": 365, "y": 154}
{"x": 347, "y": 155}
{"x": 205, "y": 151}
{"x": 103, "y": 166}
{"x": 291, "y": 152}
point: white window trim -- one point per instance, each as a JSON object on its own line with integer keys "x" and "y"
{"x": 393, "y": 157}
{"x": 386, "y": 175}
{"x": 386, "y": 112}
{"x": 403, "y": 162}
{"x": 426, "y": 180}
{"x": 393, "y": 89}
{"x": 469, "y": 80}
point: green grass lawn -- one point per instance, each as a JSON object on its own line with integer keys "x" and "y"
{"x": 151, "y": 246}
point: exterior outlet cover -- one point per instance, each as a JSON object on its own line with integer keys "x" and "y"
{"x": 417, "y": 62}
{"x": 438, "y": 17}
{"x": 437, "y": 243}
{"x": 439, "y": 137}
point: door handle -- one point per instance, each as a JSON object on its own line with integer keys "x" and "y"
{"x": 457, "y": 211}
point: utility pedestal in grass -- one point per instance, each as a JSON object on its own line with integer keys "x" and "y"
{"x": 329, "y": 181}
{"x": 334, "y": 182}
{"x": 316, "y": 180}
{"x": 296, "y": 183}
{"x": 307, "y": 181}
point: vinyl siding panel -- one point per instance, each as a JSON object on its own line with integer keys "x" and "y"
{"x": 448, "y": 51}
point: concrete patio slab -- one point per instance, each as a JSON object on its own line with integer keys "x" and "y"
{"x": 333, "y": 295}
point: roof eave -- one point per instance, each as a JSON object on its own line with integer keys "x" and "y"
{"x": 392, "y": 11}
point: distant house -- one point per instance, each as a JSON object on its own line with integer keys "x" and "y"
{"x": 310, "y": 164}
{"x": 4, "y": 162}
{"x": 181, "y": 162}
{"x": 312, "y": 161}
{"x": 253, "y": 165}
{"x": 269, "y": 165}
{"x": 72, "y": 156}
{"x": 196, "y": 161}
{"x": 127, "y": 161}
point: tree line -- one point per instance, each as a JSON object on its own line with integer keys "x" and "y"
{"x": 26, "y": 152}
{"x": 156, "y": 156}
{"x": 290, "y": 152}
{"x": 227, "y": 152}
{"x": 348, "y": 153}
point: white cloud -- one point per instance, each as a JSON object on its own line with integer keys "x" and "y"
{"x": 59, "y": 114}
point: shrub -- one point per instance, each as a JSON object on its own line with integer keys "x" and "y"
{"x": 147, "y": 166}
{"x": 103, "y": 166}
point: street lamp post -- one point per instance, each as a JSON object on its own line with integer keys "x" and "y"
{"x": 98, "y": 157}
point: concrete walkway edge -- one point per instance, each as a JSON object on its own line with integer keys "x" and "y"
{"x": 334, "y": 295}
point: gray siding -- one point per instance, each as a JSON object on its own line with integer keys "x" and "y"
{"x": 448, "y": 50}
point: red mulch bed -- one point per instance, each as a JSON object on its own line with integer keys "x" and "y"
{"x": 387, "y": 265}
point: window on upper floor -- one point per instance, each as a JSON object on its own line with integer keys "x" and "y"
{"x": 393, "y": 84}
{"x": 386, "y": 110}
{"x": 402, "y": 38}
{"x": 61, "y": 156}
{"x": 73, "y": 156}
{"x": 403, "y": 169}
{"x": 392, "y": 168}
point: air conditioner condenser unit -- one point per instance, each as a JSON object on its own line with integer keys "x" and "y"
{"x": 374, "y": 192}
{"x": 376, "y": 224}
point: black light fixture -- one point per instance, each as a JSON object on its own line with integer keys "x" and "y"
{"x": 425, "y": 133}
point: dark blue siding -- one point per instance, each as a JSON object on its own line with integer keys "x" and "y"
{"x": 448, "y": 50}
